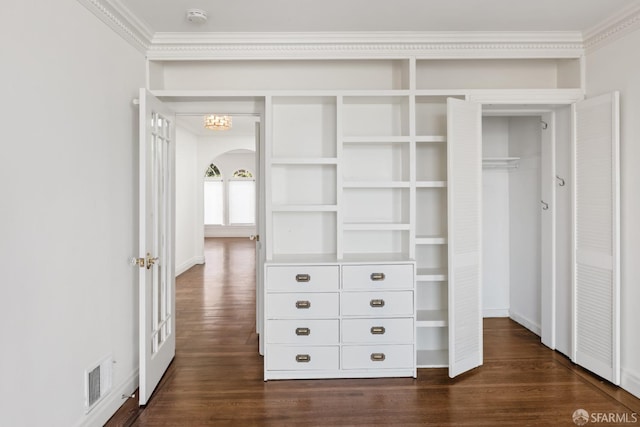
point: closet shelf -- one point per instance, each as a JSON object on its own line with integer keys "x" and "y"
{"x": 500, "y": 162}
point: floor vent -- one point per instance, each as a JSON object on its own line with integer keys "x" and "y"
{"x": 97, "y": 382}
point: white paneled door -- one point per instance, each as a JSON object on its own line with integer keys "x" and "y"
{"x": 596, "y": 266}
{"x": 464, "y": 165}
{"x": 156, "y": 242}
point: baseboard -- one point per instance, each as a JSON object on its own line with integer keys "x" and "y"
{"x": 630, "y": 383}
{"x": 188, "y": 264}
{"x": 495, "y": 312}
{"x": 109, "y": 405}
{"x": 532, "y": 326}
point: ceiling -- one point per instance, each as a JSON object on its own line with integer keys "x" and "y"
{"x": 244, "y": 16}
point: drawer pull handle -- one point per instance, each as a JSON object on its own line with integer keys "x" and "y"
{"x": 378, "y": 357}
{"x": 377, "y": 277}
{"x": 303, "y": 304}
{"x": 303, "y": 332}
{"x": 303, "y": 358}
{"x": 303, "y": 278}
{"x": 376, "y": 303}
{"x": 378, "y": 330}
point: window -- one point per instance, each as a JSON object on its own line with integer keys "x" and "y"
{"x": 242, "y": 173}
{"x": 239, "y": 192}
{"x": 242, "y": 198}
{"x": 213, "y": 172}
{"x": 213, "y": 196}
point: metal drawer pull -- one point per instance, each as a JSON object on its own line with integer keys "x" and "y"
{"x": 303, "y": 332}
{"x": 376, "y": 277}
{"x": 305, "y": 358}
{"x": 303, "y": 277}
{"x": 303, "y": 304}
{"x": 378, "y": 330}
{"x": 376, "y": 303}
{"x": 377, "y": 357}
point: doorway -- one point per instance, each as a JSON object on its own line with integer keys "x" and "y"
{"x": 236, "y": 152}
{"x": 526, "y": 219}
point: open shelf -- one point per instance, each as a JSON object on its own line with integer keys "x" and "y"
{"x": 289, "y": 161}
{"x": 431, "y": 274}
{"x": 431, "y": 318}
{"x": 304, "y": 208}
{"x": 373, "y": 226}
{"x": 304, "y": 127}
{"x": 431, "y": 240}
{"x": 432, "y": 358}
{"x": 304, "y": 232}
{"x": 376, "y": 241}
{"x": 379, "y": 116}
{"x": 303, "y": 184}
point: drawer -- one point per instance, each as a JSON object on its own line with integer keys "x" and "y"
{"x": 377, "y": 357}
{"x": 382, "y": 276}
{"x": 306, "y": 332}
{"x": 302, "y": 305}
{"x": 384, "y": 331}
{"x": 302, "y": 358}
{"x": 377, "y": 303}
{"x": 303, "y": 278}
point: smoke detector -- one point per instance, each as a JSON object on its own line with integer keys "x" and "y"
{"x": 197, "y": 16}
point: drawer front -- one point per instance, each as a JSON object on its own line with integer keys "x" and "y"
{"x": 377, "y": 303}
{"x": 377, "y": 357}
{"x": 303, "y": 278}
{"x": 383, "y": 276}
{"x": 309, "y": 332}
{"x": 302, "y": 358}
{"x": 302, "y": 305}
{"x": 384, "y": 331}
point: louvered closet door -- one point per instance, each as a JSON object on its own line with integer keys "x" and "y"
{"x": 596, "y": 269}
{"x": 464, "y": 192}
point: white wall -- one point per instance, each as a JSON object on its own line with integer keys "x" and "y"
{"x": 524, "y": 226}
{"x": 615, "y": 67}
{"x": 68, "y": 216}
{"x": 495, "y": 220}
{"x": 188, "y": 182}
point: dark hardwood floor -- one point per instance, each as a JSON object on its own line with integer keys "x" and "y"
{"x": 216, "y": 377}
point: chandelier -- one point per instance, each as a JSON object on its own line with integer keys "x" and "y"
{"x": 215, "y": 122}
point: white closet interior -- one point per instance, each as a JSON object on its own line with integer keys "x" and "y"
{"x": 511, "y": 182}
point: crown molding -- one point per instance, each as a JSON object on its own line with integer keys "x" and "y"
{"x": 176, "y": 46}
{"x": 610, "y": 30}
{"x": 122, "y": 21}
{"x": 443, "y": 45}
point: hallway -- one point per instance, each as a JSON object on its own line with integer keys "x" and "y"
{"x": 216, "y": 377}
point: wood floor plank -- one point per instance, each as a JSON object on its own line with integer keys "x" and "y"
{"x": 216, "y": 378}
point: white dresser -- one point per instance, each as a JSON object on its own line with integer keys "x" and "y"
{"x": 339, "y": 320}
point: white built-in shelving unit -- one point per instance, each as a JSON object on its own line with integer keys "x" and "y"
{"x": 356, "y": 160}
